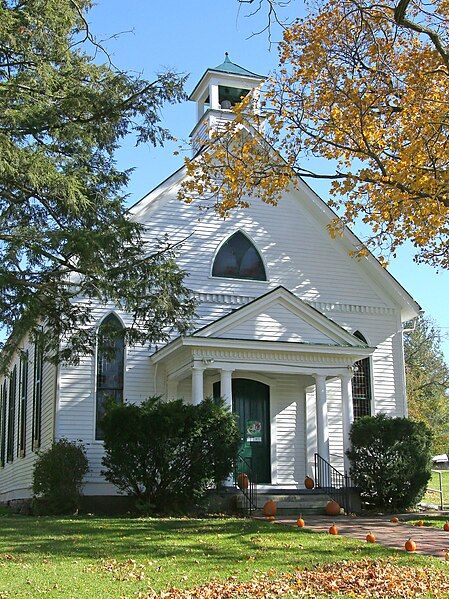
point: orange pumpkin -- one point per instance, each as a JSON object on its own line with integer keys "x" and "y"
{"x": 332, "y": 508}
{"x": 333, "y": 530}
{"x": 370, "y": 538}
{"x": 309, "y": 482}
{"x": 243, "y": 481}
{"x": 269, "y": 509}
{"x": 420, "y": 523}
{"x": 410, "y": 545}
{"x": 300, "y": 522}
{"x": 394, "y": 519}
{"x": 446, "y": 526}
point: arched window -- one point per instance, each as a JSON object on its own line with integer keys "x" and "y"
{"x": 239, "y": 259}
{"x": 110, "y": 367}
{"x": 361, "y": 385}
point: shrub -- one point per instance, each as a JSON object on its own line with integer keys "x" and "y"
{"x": 390, "y": 460}
{"x": 58, "y": 477}
{"x": 168, "y": 454}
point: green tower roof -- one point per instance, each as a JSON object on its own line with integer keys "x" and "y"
{"x": 226, "y": 67}
{"x": 230, "y": 67}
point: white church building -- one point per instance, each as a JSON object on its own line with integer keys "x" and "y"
{"x": 299, "y": 337}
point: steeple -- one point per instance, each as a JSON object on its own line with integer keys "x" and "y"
{"x": 218, "y": 90}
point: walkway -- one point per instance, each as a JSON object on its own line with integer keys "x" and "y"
{"x": 429, "y": 540}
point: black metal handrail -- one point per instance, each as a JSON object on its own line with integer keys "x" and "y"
{"x": 247, "y": 483}
{"x": 333, "y": 482}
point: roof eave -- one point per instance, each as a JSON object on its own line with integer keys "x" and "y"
{"x": 195, "y": 341}
{"x": 194, "y": 95}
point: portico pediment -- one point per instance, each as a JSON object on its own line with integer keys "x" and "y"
{"x": 279, "y": 316}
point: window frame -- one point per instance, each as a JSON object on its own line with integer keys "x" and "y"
{"x": 23, "y": 404}
{"x": 230, "y": 278}
{"x": 96, "y": 439}
{"x": 366, "y": 364}
{"x": 4, "y": 395}
{"x": 11, "y": 415}
{"x": 37, "y": 392}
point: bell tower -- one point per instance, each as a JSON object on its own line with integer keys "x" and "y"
{"x": 218, "y": 90}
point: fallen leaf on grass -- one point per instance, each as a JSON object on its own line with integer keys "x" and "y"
{"x": 8, "y": 557}
{"x": 123, "y": 571}
{"x": 362, "y": 579}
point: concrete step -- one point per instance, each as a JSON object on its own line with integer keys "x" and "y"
{"x": 275, "y": 490}
{"x": 292, "y": 503}
{"x": 294, "y": 513}
{"x": 293, "y": 500}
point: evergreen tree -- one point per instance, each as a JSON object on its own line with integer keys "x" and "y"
{"x": 64, "y": 231}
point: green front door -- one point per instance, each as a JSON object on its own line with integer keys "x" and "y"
{"x": 251, "y": 404}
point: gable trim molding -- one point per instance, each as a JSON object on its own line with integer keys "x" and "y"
{"x": 241, "y": 300}
{"x": 291, "y": 302}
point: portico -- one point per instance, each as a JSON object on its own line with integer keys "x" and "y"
{"x": 298, "y": 375}
{"x": 305, "y": 361}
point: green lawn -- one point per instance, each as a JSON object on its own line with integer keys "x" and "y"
{"x": 435, "y": 521}
{"x": 113, "y": 557}
{"x": 432, "y": 497}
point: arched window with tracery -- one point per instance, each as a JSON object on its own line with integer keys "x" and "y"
{"x": 239, "y": 259}
{"x": 110, "y": 367}
{"x": 361, "y": 384}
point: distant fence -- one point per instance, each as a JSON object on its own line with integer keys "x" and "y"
{"x": 438, "y": 490}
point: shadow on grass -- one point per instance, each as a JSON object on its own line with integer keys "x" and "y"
{"x": 220, "y": 541}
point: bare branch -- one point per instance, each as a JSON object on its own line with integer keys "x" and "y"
{"x": 402, "y": 20}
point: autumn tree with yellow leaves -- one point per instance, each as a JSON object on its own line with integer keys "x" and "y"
{"x": 365, "y": 86}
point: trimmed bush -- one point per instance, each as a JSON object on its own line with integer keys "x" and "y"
{"x": 390, "y": 460}
{"x": 58, "y": 477}
{"x": 168, "y": 454}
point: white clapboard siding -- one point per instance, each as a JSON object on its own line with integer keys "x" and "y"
{"x": 288, "y": 412}
{"x": 387, "y": 364}
{"x": 310, "y": 429}
{"x": 16, "y": 476}
{"x": 76, "y": 404}
{"x": 276, "y": 323}
{"x": 297, "y": 251}
{"x": 208, "y": 312}
{"x": 335, "y": 423}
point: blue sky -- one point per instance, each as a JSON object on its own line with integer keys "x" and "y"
{"x": 190, "y": 36}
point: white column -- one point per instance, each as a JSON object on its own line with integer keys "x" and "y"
{"x": 226, "y": 386}
{"x": 199, "y": 111}
{"x": 256, "y": 100}
{"x": 214, "y": 98}
{"x": 226, "y": 394}
{"x": 347, "y": 413}
{"x": 197, "y": 384}
{"x": 322, "y": 429}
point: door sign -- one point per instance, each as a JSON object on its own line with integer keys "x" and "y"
{"x": 254, "y": 431}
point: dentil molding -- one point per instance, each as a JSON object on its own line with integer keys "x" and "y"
{"x": 241, "y": 300}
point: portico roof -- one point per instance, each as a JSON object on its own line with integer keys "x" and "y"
{"x": 277, "y": 322}
{"x": 297, "y": 321}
